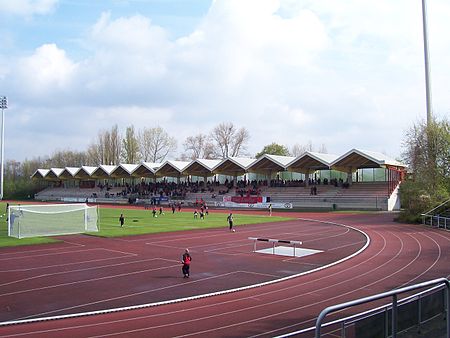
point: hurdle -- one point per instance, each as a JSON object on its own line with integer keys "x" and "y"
{"x": 274, "y": 242}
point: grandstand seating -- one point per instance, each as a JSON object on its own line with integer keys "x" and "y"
{"x": 357, "y": 196}
{"x": 367, "y": 195}
{"x": 54, "y": 193}
{"x": 366, "y": 189}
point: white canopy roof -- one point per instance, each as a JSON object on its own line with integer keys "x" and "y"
{"x": 56, "y": 171}
{"x": 177, "y": 165}
{"x": 129, "y": 168}
{"x": 349, "y": 159}
{"x": 41, "y": 172}
{"x": 72, "y": 170}
{"x": 354, "y": 159}
{"x": 88, "y": 169}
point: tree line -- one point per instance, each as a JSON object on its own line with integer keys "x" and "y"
{"x": 156, "y": 145}
{"x": 427, "y": 154}
{"x": 153, "y": 145}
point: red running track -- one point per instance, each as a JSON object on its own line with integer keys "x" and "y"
{"x": 89, "y": 274}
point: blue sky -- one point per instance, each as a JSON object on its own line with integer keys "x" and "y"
{"x": 342, "y": 73}
{"x": 67, "y": 21}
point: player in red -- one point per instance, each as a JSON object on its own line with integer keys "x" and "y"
{"x": 186, "y": 260}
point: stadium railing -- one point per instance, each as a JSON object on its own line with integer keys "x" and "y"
{"x": 438, "y": 216}
{"x": 427, "y": 312}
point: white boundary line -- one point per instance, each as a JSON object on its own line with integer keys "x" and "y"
{"x": 223, "y": 292}
{"x": 65, "y": 252}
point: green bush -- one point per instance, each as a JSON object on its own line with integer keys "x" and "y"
{"x": 21, "y": 189}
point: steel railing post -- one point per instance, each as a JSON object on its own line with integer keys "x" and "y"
{"x": 394, "y": 316}
{"x": 386, "y": 322}
{"x": 419, "y": 314}
{"x": 447, "y": 292}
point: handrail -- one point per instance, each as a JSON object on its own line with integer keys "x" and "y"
{"x": 369, "y": 312}
{"x": 392, "y": 293}
{"x": 430, "y": 211}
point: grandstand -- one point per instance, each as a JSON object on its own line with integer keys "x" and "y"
{"x": 357, "y": 179}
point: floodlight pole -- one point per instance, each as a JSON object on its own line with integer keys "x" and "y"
{"x": 3, "y": 106}
{"x": 427, "y": 65}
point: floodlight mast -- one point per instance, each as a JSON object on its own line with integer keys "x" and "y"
{"x": 427, "y": 65}
{"x": 3, "y": 106}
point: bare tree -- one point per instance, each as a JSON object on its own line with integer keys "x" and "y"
{"x": 28, "y": 167}
{"x": 229, "y": 141}
{"x": 130, "y": 146}
{"x": 115, "y": 145}
{"x": 198, "y": 146}
{"x": 107, "y": 149}
{"x": 66, "y": 158}
{"x": 12, "y": 169}
{"x": 322, "y": 149}
{"x": 93, "y": 154}
{"x": 239, "y": 145}
{"x": 298, "y": 149}
{"x": 155, "y": 144}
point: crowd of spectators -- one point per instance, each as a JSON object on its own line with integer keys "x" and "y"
{"x": 157, "y": 189}
{"x": 312, "y": 181}
{"x": 172, "y": 190}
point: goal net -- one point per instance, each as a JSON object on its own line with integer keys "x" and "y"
{"x": 51, "y": 219}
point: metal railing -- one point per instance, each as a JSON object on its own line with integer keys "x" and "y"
{"x": 436, "y": 208}
{"x": 394, "y": 294}
{"x": 435, "y": 218}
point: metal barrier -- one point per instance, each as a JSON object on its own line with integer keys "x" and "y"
{"x": 438, "y": 216}
{"x": 274, "y": 242}
{"x": 436, "y": 221}
{"x": 394, "y": 294}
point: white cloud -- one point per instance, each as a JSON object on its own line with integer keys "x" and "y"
{"x": 27, "y": 7}
{"x": 127, "y": 35}
{"x": 129, "y": 55}
{"x": 45, "y": 73}
{"x": 344, "y": 73}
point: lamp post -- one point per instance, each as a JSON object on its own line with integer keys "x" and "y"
{"x": 3, "y": 106}
{"x": 427, "y": 65}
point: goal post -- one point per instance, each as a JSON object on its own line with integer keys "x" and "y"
{"x": 51, "y": 219}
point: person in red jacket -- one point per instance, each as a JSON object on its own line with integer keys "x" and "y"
{"x": 186, "y": 260}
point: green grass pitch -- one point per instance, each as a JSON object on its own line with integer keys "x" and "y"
{"x": 140, "y": 221}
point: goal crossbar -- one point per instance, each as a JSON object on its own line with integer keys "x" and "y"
{"x": 51, "y": 219}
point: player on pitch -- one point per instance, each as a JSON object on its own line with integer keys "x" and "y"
{"x": 230, "y": 222}
{"x": 186, "y": 260}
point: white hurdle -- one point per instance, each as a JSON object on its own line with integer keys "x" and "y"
{"x": 274, "y": 242}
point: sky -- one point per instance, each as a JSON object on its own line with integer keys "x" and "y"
{"x": 342, "y": 73}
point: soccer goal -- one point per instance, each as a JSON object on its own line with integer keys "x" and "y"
{"x": 51, "y": 219}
